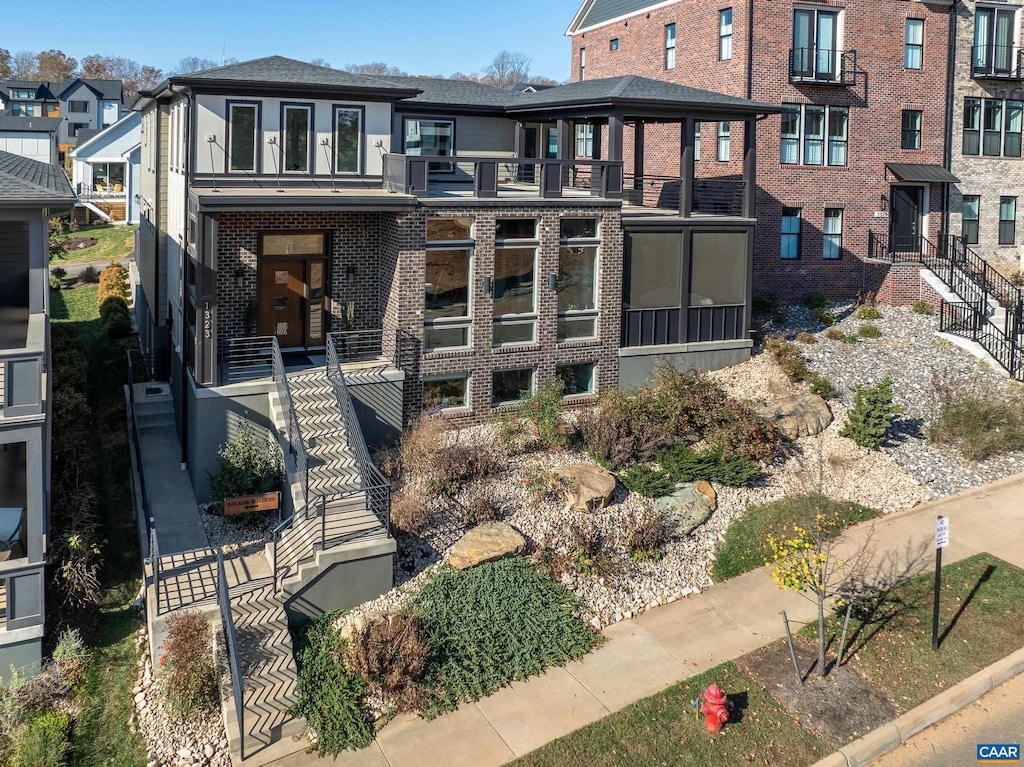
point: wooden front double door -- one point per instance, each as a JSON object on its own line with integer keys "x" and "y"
{"x": 292, "y": 292}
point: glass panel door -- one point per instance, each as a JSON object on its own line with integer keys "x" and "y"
{"x": 803, "y": 35}
{"x": 1003, "y": 49}
{"x": 982, "y": 21}
{"x": 825, "y": 65}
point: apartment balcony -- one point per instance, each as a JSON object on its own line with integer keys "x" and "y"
{"x": 22, "y": 362}
{"x": 822, "y": 66}
{"x": 997, "y": 62}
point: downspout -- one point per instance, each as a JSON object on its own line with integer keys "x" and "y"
{"x": 947, "y": 152}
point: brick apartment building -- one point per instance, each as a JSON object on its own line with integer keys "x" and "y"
{"x": 855, "y": 162}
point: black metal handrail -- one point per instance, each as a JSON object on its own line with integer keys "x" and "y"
{"x": 997, "y": 62}
{"x": 712, "y": 196}
{"x": 970, "y": 320}
{"x": 824, "y": 66}
{"x": 234, "y": 662}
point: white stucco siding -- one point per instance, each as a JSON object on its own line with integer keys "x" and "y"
{"x": 211, "y": 121}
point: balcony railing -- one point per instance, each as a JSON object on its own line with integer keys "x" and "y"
{"x": 489, "y": 177}
{"x": 714, "y": 196}
{"x": 822, "y": 66}
{"x": 21, "y": 372}
{"x": 997, "y": 62}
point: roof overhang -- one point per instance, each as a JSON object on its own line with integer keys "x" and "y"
{"x": 650, "y": 110}
{"x": 242, "y": 199}
{"x": 301, "y": 90}
{"x": 920, "y": 173}
{"x": 575, "y": 26}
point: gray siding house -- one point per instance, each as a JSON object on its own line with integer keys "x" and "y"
{"x": 106, "y": 169}
{"x": 27, "y": 189}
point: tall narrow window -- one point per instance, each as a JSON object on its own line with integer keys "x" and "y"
{"x": 576, "y": 281}
{"x": 696, "y": 141}
{"x": 584, "y": 140}
{"x": 514, "y": 301}
{"x": 670, "y": 46}
{"x": 972, "y": 126}
{"x": 725, "y": 34}
{"x": 723, "y": 142}
{"x": 296, "y": 139}
{"x": 992, "y": 123}
{"x": 814, "y": 135}
{"x": 348, "y": 140}
{"x": 913, "y": 44}
{"x": 447, "y": 283}
{"x": 1011, "y": 136}
{"x": 1007, "y": 220}
{"x": 970, "y": 213}
{"x": 242, "y": 137}
{"x": 790, "y": 134}
{"x": 910, "y": 138}
{"x": 790, "y": 233}
{"x": 838, "y": 134}
{"x": 832, "y": 244}
{"x": 583, "y": 63}
{"x": 613, "y": 44}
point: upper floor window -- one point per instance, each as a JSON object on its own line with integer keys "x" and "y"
{"x": 25, "y": 110}
{"x": 992, "y": 127}
{"x": 348, "y": 139}
{"x": 430, "y": 137}
{"x": 670, "y": 46}
{"x": 447, "y": 283}
{"x": 78, "y": 106}
{"x": 243, "y": 124}
{"x": 913, "y": 44}
{"x": 20, "y": 93}
{"x": 804, "y": 135}
{"x": 583, "y": 63}
{"x": 613, "y": 44}
{"x": 1007, "y": 220}
{"x": 910, "y": 137}
{"x": 725, "y": 34}
{"x": 723, "y": 141}
{"x": 994, "y": 51}
{"x": 584, "y": 140}
{"x": 815, "y": 43}
{"x": 576, "y": 282}
{"x": 296, "y": 138}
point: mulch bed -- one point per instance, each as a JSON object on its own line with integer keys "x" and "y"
{"x": 81, "y": 243}
{"x": 839, "y": 708}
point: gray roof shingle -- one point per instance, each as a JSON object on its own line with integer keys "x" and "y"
{"x": 22, "y": 179}
{"x": 284, "y": 71}
{"x": 438, "y": 90}
{"x": 20, "y": 123}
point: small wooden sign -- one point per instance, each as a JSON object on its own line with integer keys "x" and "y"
{"x": 248, "y": 503}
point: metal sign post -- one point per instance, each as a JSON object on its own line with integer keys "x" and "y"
{"x": 941, "y": 542}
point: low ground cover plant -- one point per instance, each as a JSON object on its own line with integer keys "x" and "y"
{"x": 684, "y": 464}
{"x": 868, "y": 312}
{"x": 978, "y": 420}
{"x": 787, "y": 355}
{"x": 820, "y": 385}
{"x": 922, "y": 307}
{"x": 869, "y": 331}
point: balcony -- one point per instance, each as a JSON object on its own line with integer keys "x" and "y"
{"x": 504, "y": 177}
{"x": 997, "y": 62}
{"x": 22, "y": 361}
{"x": 822, "y": 66}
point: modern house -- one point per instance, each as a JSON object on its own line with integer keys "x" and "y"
{"x": 852, "y": 165}
{"x": 81, "y": 103}
{"x": 31, "y": 137}
{"x": 28, "y": 188}
{"x": 326, "y": 254}
{"x": 106, "y": 170}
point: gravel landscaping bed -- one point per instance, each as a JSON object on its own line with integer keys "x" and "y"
{"x": 237, "y": 538}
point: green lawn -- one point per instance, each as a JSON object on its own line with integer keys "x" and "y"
{"x": 890, "y": 640}
{"x": 664, "y": 730}
{"x": 101, "y": 732}
{"x": 114, "y": 242}
{"x": 745, "y": 546}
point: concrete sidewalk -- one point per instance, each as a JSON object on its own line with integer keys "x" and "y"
{"x": 171, "y": 499}
{"x": 667, "y": 644}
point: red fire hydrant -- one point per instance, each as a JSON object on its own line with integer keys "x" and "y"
{"x": 715, "y": 707}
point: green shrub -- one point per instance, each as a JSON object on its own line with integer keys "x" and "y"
{"x": 743, "y": 433}
{"x": 70, "y": 656}
{"x": 834, "y": 334}
{"x": 89, "y": 275}
{"x": 59, "y": 272}
{"x": 44, "y": 741}
{"x": 824, "y": 315}
{"x": 770, "y": 305}
{"x": 806, "y": 338}
{"x": 816, "y": 300}
{"x": 787, "y": 355}
{"x": 543, "y": 414}
{"x": 976, "y": 419}
{"x": 55, "y": 282}
{"x": 329, "y": 697}
{"x": 868, "y": 313}
{"x": 118, "y": 326}
{"x": 820, "y": 385}
{"x": 684, "y": 464}
{"x": 12, "y": 713}
{"x": 850, "y": 339}
{"x": 190, "y": 678}
{"x": 923, "y": 307}
{"x": 247, "y": 464}
{"x": 871, "y": 415}
{"x": 869, "y": 331}
{"x": 112, "y": 305}
{"x": 646, "y": 481}
{"x": 746, "y": 539}
{"x": 492, "y": 624}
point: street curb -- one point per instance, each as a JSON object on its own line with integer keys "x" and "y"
{"x": 894, "y": 734}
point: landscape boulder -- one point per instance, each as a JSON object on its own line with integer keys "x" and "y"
{"x": 801, "y": 415}
{"x": 687, "y": 507}
{"x": 486, "y": 543}
{"x": 587, "y": 487}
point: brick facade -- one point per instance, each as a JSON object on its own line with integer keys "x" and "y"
{"x": 883, "y": 89}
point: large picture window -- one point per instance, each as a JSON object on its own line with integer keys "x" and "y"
{"x": 993, "y": 51}
{"x": 815, "y": 43}
{"x": 992, "y": 127}
{"x": 814, "y": 135}
{"x": 348, "y": 140}
{"x": 242, "y": 128}
{"x": 430, "y": 137}
{"x": 296, "y": 138}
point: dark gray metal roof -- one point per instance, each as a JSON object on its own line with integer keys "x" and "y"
{"x": 52, "y": 91}
{"x": 921, "y": 173}
{"x": 601, "y": 11}
{"x": 22, "y": 179}
{"x": 23, "y": 124}
{"x": 86, "y": 134}
{"x": 441, "y": 91}
{"x": 278, "y": 70}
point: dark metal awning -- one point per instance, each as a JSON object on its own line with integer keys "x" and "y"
{"x": 921, "y": 172}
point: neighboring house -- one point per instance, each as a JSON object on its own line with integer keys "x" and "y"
{"x": 31, "y": 137}
{"x": 855, "y": 163}
{"x": 987, "y": 206}
{"x": 105, "y": 169}
{"x": 27, "y": 189}
{"x": 84, "y": 104}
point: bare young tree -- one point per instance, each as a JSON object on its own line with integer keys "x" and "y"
{"x": 320, "y": 62}
{"x": 24, "y": 65}
{"x": 376, "y": 69}
{"x": 507, "y": 69}
{"x": 191, "y": 64}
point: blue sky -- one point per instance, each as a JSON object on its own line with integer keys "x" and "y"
{"x": 443, "y": 36}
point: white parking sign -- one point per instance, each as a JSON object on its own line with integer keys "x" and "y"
{"x": 941, "y": 532}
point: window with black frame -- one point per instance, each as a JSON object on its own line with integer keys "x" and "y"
{"x": 970, "y": 214}
{"x": 514, "y": 281}
{"x": 1007, "y": 220}
{"x": 910, "y": 136}
{"x": 242, "y": 127}
{"x": 296, "y": 139}
{"x": 449, "y": 258}
{"x": 576, "y": 281}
